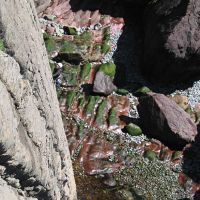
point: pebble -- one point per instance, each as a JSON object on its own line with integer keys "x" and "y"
{"x": 110, "y": 181}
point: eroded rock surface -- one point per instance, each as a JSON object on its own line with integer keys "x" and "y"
{"x": 33, "y": 147}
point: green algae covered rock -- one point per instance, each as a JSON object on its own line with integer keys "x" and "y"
{"x": 106, "y": 34}
{"x": 89, "y": 108}
{"x": 100, "y": 112}
{"x": 84, "y": 38}
{"x": 122, "y": 91}
{"x": 176, "y": 155}
{"x": 85, "y": 70}
{"x": 71, "y": 31}
{"x": 67, "y": 47}
{"x": 143, "y": 90}
{"x": 105, "y": 47}
{"x": 151, "y": 155}
{"x": 133, "y": 129}
{"x": 113, "y": 118}
{"x": 82, "y": 101}
{"x": 70, "y": 97}
{"x": 50, "y": 42}
{"x": 108, "y": 69}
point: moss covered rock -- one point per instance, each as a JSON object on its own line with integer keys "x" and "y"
{"x": 101, "y": 112}
{"x": 50, "y": 42}
{"x": 151, "y": 155}
{"x": 143, "y": 90}
{"x": 106, "y": 34}
{"x": 133, "y": 129}
{"x": 84, "y": 38}
{"x": 108, "y": 69}
{"x": 105, "y": 47}
{"x": 89, "y": 108}
{"x": 70, "y": 97}
{"x": 112, "y": 117}
{"x": 67, "y": 47}
{"x": 122, "y": 91}
{"x": 70, "y": 30}
{"x": 85, "y": 70}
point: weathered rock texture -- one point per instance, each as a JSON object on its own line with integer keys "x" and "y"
{"x": 172, "y": 40}
{"x": 163, "y": 119}
{"x": 41, "y": 5}
{"x": 34, "y": 156}
{"x": 103, "y": 84}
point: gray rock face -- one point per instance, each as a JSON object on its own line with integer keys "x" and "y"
{"x": 41, "y": 5}
{"x": 103, "y": 84}
{"x": 164, "y": 120}
{"x": 172, "y": 40}
{"x": 33, "y": 146}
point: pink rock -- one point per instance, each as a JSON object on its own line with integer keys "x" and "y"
{"x": 118, "y": 20}
{"x": 106, "y": 20}
{"x": 95, "y": 17}
{"x": 116, "y": 27}
{"x": 100, "y": 150}
{"x": 61, "y": 8}
{"x": 50, "y": 30}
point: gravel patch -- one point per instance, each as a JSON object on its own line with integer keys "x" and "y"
{"x": 193, "y": 93}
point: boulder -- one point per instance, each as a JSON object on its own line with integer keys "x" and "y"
{"x": 172, "y": 40}
{"x": 164, "y": 120}
{"x": 103, "y": 84}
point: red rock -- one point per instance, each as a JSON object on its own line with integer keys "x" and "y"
{"x": 100, "y": 150}
{"x": 67, "y": 19}
{"x": 105, "y": 20}
{"x": 92, "y": 75}
{"x": 95, "y": 17}
{"x": 86, "y": 145}
{"x": 164, "y": 120}
{"x": 165, "y": 154}
{"x": 182, "y": 179}
{"x": 68, "y": 37}
{"x": 84, "y": 21}
{"x": 121, "y": 102}
{"x": 195, "y": 187}
{"x": 61, "y": 9}
{"x": 154, "y": 146}
{"x": 118, "y": 20}
{"x": 50, "y": 30}
{"x": 101, "y": 167}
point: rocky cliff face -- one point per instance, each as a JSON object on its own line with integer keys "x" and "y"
{"x": 172, "y": 41}
{"x": 34, "y": 157}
